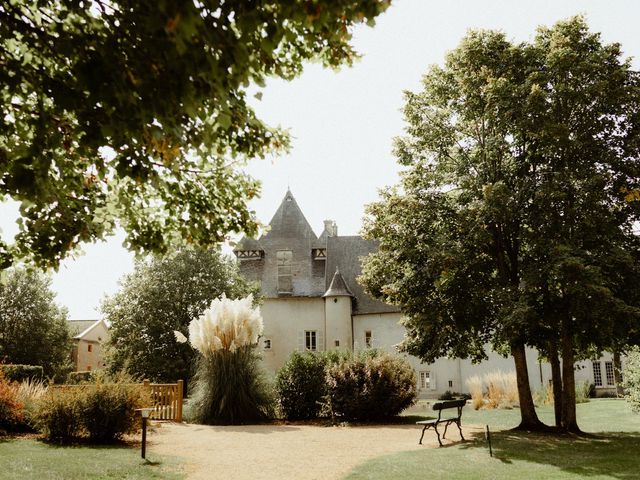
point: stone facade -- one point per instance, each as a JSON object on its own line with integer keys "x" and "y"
{"x": 89, "y": 337}
{"x": 312, "y": 301}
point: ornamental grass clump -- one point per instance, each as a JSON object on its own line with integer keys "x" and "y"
{"x": 229, "y": 386}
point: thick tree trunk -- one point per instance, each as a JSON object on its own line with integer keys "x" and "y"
{"x": 530, "y": 420}
{"x": 556, "y": 382}
{"x": 569, "y": 421}
{"x": 617, "y": 372}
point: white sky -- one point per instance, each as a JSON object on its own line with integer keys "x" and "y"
{"x": 343, "y": 123}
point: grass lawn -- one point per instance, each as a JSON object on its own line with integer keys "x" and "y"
{"x": 31, "y": 459}
{"x": 612, "y": 452}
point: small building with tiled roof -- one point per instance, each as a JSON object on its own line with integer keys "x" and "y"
{"x": 313, "y": 301}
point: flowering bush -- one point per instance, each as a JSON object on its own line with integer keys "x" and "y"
{"x": 229, "y": 386}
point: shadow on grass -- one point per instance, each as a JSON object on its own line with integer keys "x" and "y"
{"x": 612, "y": 454}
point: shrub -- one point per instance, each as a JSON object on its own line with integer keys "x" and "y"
{"x": 103, "y": 410}
{"x": 631, "y": 375}
{"x": 370, "y": 386}
{"x": 11, "y": 410}
{"x": 449, "y": 395}
{"x": 19, "y": 373}
{"x": 57, "y": 416}
{"x": 108, "y": 410}
{"x": 230, "y": 387}
{"x": 301, "y": 384}
{"x": 75, "y": 378}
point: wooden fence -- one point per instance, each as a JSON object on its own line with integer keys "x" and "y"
{"x": 166, "y": 400}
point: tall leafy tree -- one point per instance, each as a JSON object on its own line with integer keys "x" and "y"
{"x": 164, "y": 294}
{"x": 162, "y": 84}
{"x": 481, "y": 241}
{"x": 33, "y": 328}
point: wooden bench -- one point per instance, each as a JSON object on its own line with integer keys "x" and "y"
{"x": 440, "y": 406}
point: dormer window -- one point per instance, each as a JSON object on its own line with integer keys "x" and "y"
{"x": 283, "y": 258}
{"x": 319, "y": 253}
{"x": 249, "y": 254}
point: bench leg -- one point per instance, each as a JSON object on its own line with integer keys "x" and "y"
{"x": 460, "y": 428}
{"x": 435, "y": 427}
{"x": 446, "y": 425}
{"x": 422, "y": 436}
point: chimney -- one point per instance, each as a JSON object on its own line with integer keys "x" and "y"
{"x": 331, "y": 228}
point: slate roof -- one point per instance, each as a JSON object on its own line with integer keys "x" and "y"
{"x": 289, "y": 221}
{"x": 345, "y": 253}
{"x": 338, "y": 287}
{"x": 248, "y": 244}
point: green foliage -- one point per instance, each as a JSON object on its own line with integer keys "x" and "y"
{"x": 631, "y": 376}
{"x": 103, "y": 410}
{"x": 370, "y": 386}
{"x": 19, "y": 373}
{"x": 301, "y": 384}
{"x": 33, "y": 329}
{"x": 230, "y": 389}
{"x": 449, "y": 395}
{"x": 164, "y": 294}
{"x": 74, "y": 378}
{"x": 513, "y": 221}
{"x": 58, "y": 416}
{"x": 108, "y": 410}
{"x": 163, "y": 84}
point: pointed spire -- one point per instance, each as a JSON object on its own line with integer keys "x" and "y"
{"x": 338, "y": 287}
{"x": 289, "y": 221}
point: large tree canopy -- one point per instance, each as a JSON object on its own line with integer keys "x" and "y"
{"x": 164, "y": 294}
{"x": 513, "y": 220}
{"x": 33, "y": 328}
{"x": 163, "y": 84}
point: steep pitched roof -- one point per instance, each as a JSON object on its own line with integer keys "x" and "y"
{"x": 346, "y": 252}
{"x": 338, "y": 287}
{"x": 289, "y": 221}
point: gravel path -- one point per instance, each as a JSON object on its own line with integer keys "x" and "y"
{"x": 300, "y": 452}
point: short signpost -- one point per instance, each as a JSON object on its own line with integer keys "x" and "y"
{"x": 144, "y": 412}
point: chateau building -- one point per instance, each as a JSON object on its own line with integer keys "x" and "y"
{"x": 312, "y": 301}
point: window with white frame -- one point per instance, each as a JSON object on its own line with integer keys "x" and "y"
{"x": 310, "y": 340}
{"x": 367, "y": 338}
{"x": 608, "y": 370}
{"x": 425, "y": 380}
{"x": 597, "y": 374}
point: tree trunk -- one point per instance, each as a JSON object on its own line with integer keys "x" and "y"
{"x": 530, "y": 420}
{"x": 617, "y": 372}
{"x": 556, "y": 381}
{"x": 569, "y": 421}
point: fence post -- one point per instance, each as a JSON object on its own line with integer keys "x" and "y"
{"x": 179, "y": 401}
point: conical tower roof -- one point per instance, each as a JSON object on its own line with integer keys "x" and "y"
{"x": 338, "y": 287}
{"x": 289, "y": 221}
